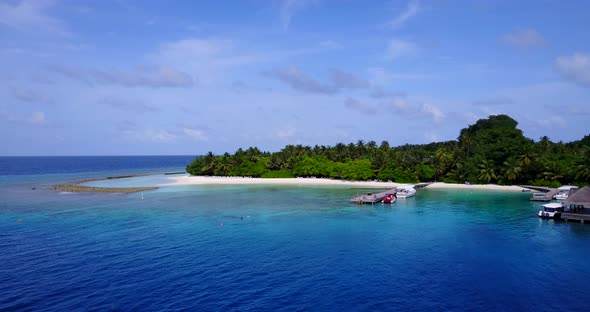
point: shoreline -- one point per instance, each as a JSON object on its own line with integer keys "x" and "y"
{"x": 212, "y": 180}
{"x": 487, "y": 187}
{"x": 187, "y": 180}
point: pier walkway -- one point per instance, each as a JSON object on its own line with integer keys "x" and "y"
{"x": 372, "y": 198}
{"x": 580, "y": 217}
{"x": 548, "y": 192}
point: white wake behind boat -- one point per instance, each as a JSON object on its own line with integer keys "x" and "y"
{"x": 405, "y": 191}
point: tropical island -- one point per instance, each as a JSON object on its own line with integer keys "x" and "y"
{"x": 493, "y": 150}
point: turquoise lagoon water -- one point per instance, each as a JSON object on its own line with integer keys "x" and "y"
{"x": 285, "y": 248}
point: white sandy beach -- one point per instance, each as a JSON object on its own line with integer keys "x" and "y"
{"x": 201, "y": 180}
{"x": 489, "y": 187}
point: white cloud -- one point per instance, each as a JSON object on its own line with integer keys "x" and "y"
{"x": 298, "y": 80}
{"x": 195, "y": 134}
{"x": 344, "y": 80}
{"x": 145, "y": 76}
{"x": 399, "y": 103}
{"x": 402, "y": 106}
{"x": 207, "y": 59}
{"x": 149, "y": 135}
{"x": 212, "y": 60}
{"x": 37, "y": 119}
{"x": 575, "y": 67}
{"x": 411, "y": 10}
{"x": 142, "y": 76}
{"x": 523, "y": 38}
{"x": 198, "y": 48}
{"x": 435, "y": 113}
{"x": 398, "y": 48}
{"x": 290, "y": 7}
{"x": 31, "y": 16}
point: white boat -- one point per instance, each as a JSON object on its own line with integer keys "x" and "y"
{"x": 405, "y": 191}
{"x": 551, "y": 211}
{"x": 564, "y": 192}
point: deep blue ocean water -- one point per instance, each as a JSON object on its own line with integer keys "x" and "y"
{"x": 38, "y": 165}
{"x": 224, "y": 248}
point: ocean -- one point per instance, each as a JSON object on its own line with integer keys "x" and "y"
{"x": 274, "y": 248}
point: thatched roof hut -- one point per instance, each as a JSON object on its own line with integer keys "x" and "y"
{"x": 581, "y": 198}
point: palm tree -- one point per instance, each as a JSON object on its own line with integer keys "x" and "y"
{"x": 486, "y": 172}
{"x": 441, "y": 159}
{"x": 545, "y": 144}
{"x": 275, "y": 162}
{"x": 513, "y": 171}
{"x": 458, "y": 173}
{"x": 583, "y": 172}
{"x": 467, "y": 141}
{"x": 253, "y": 154}
{"x": 526, "y": 159}
{"x": 552, "y": 172}
{"x": 222, "y": 165}
{"x": 361, "y": 149}
{"x": 209, "y": 164}
{"x": 351, "y": 151}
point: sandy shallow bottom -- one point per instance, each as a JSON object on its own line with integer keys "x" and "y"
{"x": 200, "y": 180}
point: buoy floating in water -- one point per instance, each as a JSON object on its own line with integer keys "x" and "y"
{"x": 20, "y": 220}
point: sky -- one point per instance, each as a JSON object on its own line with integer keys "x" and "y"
{"x": 187, "y": 77}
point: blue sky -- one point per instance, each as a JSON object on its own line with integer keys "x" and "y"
{"x": 187, "y": 77}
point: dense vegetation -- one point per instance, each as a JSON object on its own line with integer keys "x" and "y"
{"x": 493, "y": 150}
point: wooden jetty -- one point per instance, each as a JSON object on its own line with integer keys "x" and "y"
{"x": 422, "y": 185}
{"x": 578, "y": 217}
{"x": 548, "y": 192}
{"x": 542, "y": 189}
{"x": 372, "y": 198}
{"x": 546, "y": 196}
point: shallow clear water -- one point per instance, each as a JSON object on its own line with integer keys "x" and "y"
{"x": 286, "y": 248}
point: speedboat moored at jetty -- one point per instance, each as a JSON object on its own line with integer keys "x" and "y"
{"x": 551, "y": 211}
{"x": 405, "y": 191}
{"x": 564, "y": 192}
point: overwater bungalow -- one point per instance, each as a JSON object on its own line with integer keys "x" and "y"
{"x": 578, "y": 206}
